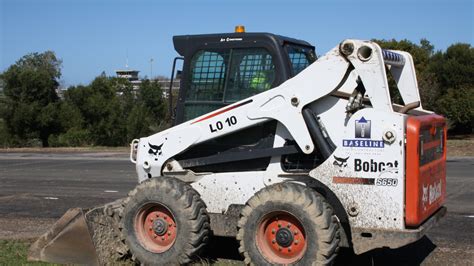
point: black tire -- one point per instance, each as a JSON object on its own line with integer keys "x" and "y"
{"x": 299, "y": 207}
{"x": 174, "y": 202}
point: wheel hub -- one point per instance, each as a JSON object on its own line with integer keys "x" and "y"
{"x": 160, "y": 226}
{"x": 281, "y": 238}
{"x": 156, "y": 228}
{"x": 284, "y": 237}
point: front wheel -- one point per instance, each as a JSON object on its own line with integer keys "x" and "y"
{"x": 165, "y": 222}
{"x": 288, "y": 223}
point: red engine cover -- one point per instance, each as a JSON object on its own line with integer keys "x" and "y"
{"x": 425, "y": 190}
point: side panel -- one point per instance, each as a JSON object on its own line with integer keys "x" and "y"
{"x": 366, "y": 172}
{"x": 425, "y": 168}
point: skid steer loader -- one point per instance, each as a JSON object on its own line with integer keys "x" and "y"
{"x": 293, "y": 156}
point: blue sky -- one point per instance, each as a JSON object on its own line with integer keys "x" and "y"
{"x": 92, "y": 36}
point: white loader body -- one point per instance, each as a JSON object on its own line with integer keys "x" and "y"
{"x": 366, "y": 172}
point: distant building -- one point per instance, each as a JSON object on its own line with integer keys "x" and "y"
{"x": 130, "y": 75}
{"x": 165, "y": 85}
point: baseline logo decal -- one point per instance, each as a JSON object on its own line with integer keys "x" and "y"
{"x": 362, "y": 130}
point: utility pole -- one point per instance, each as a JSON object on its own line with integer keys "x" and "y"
{"x": 151, "y": 68}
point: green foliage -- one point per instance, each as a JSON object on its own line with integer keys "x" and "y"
{"x": 445, "y": 79}
{"x": 455, "y": 67}
{"x": 108, "y": 112}
{"x": 139, "y": 122}
{"x": 30, "y": 96}
{"x": 151, "y": 95}
{"x": 15, "y": 252}
{"x": 458, "y": 105}
{"x": 99, "y": 110}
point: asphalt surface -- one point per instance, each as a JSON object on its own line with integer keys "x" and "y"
{"x": 36, "y": 189}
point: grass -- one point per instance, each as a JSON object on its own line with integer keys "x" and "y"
{"x": 14, "y": 252}
{"x": 461, "y": 146}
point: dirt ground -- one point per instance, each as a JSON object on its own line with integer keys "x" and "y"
{"x": 24, "y": 228}
{"x": 451, "y": 243}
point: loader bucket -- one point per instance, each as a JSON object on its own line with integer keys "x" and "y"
{"x": 67, "y": 241}
{"x": 80, "y": 237}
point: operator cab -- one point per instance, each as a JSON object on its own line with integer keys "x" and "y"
{"x": 220, "y": 69}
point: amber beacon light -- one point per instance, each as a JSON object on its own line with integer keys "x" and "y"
{"x": 239, "y": 28}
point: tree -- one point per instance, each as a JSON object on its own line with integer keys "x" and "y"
{"x": 102, "y": 109}
{"x": 455, "y": 67}
{"x": 454, "y": 71}
{"x": 458, "y": 105}
{"x": 31, "y": 101}
{"x": 421, "y": 53}
{"x": 151, "y": 95}
{"x": 148, "y": 114}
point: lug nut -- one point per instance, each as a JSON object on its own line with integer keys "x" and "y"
{"x": 289, "y": 249}
{"x": 296, "y": 242}
{"x": 162, "y": 238}
{"x": 169, "y": 233}
{"x": 289, "y": 225}
{"x": 273, "y": 231}
{"x": 273, "y": 241}
{"x": 279, "y": 225}
{"x": 295, "y": 232}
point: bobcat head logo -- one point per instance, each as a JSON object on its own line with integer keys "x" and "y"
{"x": 155, "y": 149}
{"x": 340, "y": 162}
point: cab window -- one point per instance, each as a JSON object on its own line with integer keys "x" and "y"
{"x": 222, "y": 77}
{"x": 300, "y": 57}
{"x": 252, "y": 71}
{"x": 207, "y": 76}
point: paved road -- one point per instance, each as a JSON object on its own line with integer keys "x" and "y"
{"x": 35, "y": 189}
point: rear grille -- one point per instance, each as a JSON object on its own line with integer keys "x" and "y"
{"x": 425, "y": 175}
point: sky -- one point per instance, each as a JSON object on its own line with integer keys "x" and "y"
{"x": 91, "y": 36}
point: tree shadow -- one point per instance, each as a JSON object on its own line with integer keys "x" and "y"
{"x": 226, "y": 248}
{"x": 222, "y": 248}
{"x": 411, "y": 254}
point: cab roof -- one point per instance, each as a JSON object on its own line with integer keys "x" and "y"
{"x": 184, "y": 43}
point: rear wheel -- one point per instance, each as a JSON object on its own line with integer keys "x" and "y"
{"x": 165, "y": 222}
{"x": 288, "y": 223}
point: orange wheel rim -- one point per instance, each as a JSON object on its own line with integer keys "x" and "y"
{"x": 281, "y": 238}
{"x": 155, "y": 227}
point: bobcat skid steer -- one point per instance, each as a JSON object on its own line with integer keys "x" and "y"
{"x": 293, "y": 156}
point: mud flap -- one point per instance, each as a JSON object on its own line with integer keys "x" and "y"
{"x": 67, "y": 241}
{"x": 81, "y": 236}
